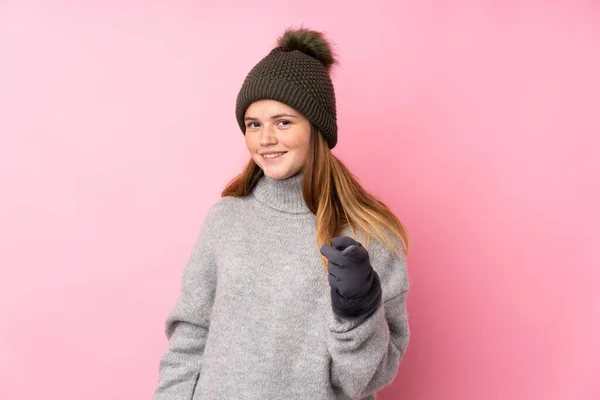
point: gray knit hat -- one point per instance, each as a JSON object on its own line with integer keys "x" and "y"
{"x": 295, "y": 73}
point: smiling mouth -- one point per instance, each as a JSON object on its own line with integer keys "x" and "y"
{"x": 272, "y": 156}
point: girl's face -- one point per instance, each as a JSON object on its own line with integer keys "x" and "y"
{"x": 277, "y": 137}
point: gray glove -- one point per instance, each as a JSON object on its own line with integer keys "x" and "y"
{"x": 355, "y": 286}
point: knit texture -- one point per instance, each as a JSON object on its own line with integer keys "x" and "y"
{"x": 254, "y": 318}
{"x": 297, "y": 80}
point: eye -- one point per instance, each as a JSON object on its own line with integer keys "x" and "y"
{"x": 252, "y": 125}
{"x": 284, "y": 122}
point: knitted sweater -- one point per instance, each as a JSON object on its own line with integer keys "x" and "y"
{"x": 254, "y": 317}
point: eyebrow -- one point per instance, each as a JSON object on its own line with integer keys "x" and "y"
{"x": 273, "y": 117}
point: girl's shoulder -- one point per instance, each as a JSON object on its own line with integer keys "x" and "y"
{"x": 222, "y": 210}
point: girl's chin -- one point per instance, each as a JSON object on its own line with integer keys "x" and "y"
{"x": 278, "y": 173}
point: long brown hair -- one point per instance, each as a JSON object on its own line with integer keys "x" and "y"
{"x": 336, "y": 198}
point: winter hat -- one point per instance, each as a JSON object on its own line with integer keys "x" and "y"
{"x": 295, "y": 73}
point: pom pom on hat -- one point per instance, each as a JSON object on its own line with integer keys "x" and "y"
{"x": 311, "y": 43}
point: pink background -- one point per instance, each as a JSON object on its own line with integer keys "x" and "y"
{"x": 477, "y": 122}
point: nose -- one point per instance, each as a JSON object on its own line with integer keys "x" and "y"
{"x": 268, "y": 136}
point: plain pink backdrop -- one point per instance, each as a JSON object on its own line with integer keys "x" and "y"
{"x": 477, "y": 122}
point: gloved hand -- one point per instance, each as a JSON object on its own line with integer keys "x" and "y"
{"x": 355, "y": 286}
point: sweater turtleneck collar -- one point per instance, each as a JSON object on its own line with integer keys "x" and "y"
{"x": 282, "y": 194}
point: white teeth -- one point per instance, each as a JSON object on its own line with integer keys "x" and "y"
{"x": 272, "y": 155}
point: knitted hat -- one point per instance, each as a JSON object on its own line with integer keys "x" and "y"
{"x": 295, "y": 73}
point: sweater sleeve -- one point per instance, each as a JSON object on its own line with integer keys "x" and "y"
{"x": 187, "y": 323}
{"x": 366, "y": 350}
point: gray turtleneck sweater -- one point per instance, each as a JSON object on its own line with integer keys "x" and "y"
{"x": 254, "y": 317}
